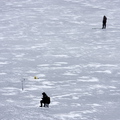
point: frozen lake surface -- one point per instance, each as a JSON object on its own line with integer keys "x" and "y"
{"x": 61, "y": 43}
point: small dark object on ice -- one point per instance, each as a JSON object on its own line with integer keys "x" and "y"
{"x": 45, "y": 100}
{"x": 104, "y": 22}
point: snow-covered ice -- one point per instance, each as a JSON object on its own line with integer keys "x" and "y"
{"x": 61, "y": 43}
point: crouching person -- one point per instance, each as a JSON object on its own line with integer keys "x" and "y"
{"x": 45, "y": 100}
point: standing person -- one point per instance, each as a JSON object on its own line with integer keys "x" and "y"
{"x": 104, "y": 22}
{"x": 45, "y": 100}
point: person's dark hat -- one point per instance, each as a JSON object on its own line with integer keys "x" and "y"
{"x": 43, "y": 93}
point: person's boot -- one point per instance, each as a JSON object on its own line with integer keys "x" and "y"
{"x": 41, "y": 105}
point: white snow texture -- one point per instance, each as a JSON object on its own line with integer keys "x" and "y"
{"x": 75, "y": 61}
